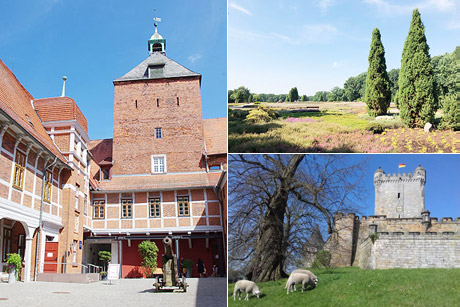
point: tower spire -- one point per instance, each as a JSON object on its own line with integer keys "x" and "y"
{"x": 156, "y": 43}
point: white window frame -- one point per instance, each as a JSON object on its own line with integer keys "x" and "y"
{"x": 77, "y": 191}
{"x": 77, "y": 223}
{"x": 74, "y": 251}
{"x": 153, "y": 159}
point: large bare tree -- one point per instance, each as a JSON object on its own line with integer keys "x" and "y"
{"x": 275, "y": 201}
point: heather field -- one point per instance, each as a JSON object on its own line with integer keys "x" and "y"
{"x": 336, "y": 127}
{"x": 356, "y": 287}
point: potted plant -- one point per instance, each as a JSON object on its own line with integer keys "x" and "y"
{"x": 103, "y": 275}
{"x": 14, "y": 262}
{"x": 105, "y": 257}
{"x": 187, "y": 264}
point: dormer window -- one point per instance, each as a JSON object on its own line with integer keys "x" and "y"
{"x": 156, "y": 71}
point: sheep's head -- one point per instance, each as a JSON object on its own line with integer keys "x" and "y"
{"x": 257, "y": 293}
{"x": 316, "y": 281}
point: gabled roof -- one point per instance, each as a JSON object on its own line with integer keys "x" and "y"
{"x": 60, "y": 108}
{"x": 15, "y": 101}
{"x": 215, "y": 135}
{"x": 101, "y": 150}
{"x": 162, "y": 67}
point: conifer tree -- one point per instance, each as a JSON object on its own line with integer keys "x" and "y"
{"x": 378, "y": 94}
{"x": 417, "y": 88}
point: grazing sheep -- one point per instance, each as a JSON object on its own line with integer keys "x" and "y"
{"x": 299, "y": 278}
{"x": 247, "y": 286}
{"x": 312, "y": 276}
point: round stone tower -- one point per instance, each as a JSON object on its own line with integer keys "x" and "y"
{"x": 400, "y": 196}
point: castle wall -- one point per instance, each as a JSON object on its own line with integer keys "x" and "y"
{"x": 412, "y": 251}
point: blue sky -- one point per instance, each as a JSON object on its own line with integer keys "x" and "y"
{"x": 274, "y": 45}
{"x": 95, "y": 42}
{"x": 442, "y": 193}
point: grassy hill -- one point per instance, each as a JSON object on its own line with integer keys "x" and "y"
{"x": 356, "y": 287}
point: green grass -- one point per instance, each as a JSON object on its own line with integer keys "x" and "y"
{"x": 357, "y": 287}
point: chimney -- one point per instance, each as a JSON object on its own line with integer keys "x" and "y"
{"x": 63, "y": 86}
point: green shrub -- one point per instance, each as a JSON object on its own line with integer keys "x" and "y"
{"x": 148, "y": 251}
{"x": 374, "y": 237}
{"x": 237, "y": 114}
{"x": 375, "y": 127}
{"x": 187, "y": 263}
{"x": 105, "y": 257}
{"x": 260, "y": 115}
{"x": 322, "y": 260}
{"x": 449, "y": 108}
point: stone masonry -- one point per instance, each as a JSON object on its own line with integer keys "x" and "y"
{"x": 402, "y": 235}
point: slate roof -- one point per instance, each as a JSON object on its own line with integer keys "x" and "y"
{"x": 60, "y": 108}
{"x": 215, "y": 135}
{"x": 163, "y": 66}
{"x": 316, "y": 239}
{"x": 161, "y": 182}
{"x": 15, "y": 102}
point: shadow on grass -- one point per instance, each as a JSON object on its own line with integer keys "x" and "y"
{"x": 312, "y": 114}
{"x": 240, "y": 127}
{"x": 268, "y": 144}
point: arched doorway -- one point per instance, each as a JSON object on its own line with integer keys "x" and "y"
{"x": 13, "y": 239}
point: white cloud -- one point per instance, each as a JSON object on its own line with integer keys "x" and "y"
{"x": 235, "y": 6}
{"x": 194, "y": 58}
{"x": 337, "y": 64}
{"x": 318, "y": 33}
{"x": 324, "y": 5}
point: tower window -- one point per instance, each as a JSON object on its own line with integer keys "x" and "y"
{"x": 158, "y": 133}
{"x": 177, "y": 100}
{"x": 158, "y": 102}
{"x": 399, "y": 195}
{"x": 136, "y": 103}
{"x": 158, "y": 164}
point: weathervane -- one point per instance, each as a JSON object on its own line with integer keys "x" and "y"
{"x": 155, "y": 18}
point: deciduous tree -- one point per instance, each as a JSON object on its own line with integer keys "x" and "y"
{"x": 275, "y": 201}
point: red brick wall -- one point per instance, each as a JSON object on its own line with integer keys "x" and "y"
{"x": 131, "y": 266}
{"x": 134, "y": 128}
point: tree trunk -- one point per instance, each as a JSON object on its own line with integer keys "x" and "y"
{"x": 269, "y": 258}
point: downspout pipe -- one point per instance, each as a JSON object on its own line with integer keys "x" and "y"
{"x": 40, "y": 220}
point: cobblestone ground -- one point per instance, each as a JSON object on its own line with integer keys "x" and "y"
{"x": 127, "y": 292}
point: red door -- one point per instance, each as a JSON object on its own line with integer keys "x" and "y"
{"x": 51, "y": 257}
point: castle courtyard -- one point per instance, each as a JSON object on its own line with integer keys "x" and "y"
{"x": 124, "y": 292}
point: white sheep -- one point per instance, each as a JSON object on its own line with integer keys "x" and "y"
{"x": 247, "y": 286}
{"x": 312, "y": 276}
{"x": 299, "y": 278}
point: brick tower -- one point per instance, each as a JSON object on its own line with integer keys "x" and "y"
{"x": 158, "y": 124}
{"x": 400, "y": 196}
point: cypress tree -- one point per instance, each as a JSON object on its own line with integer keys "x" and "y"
{"x": 417, "y": 88}
{"x": 378, "y": 94}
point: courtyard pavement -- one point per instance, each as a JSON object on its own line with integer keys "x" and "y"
{"x": 202, "y": 292}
